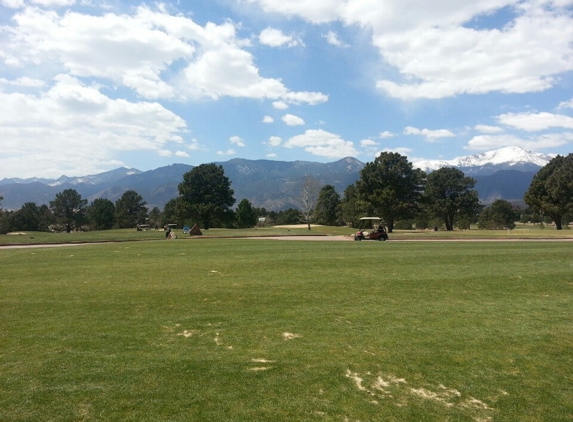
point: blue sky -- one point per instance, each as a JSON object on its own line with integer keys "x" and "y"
{"x": 88, "y": 86}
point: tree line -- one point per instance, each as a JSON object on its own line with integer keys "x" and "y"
{"x": 389, "y": 187}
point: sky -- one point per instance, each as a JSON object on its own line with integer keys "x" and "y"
{"x": 88, "y": 86}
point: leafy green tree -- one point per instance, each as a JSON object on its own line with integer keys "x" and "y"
{"x": 392, "y": 186}
{"x": 551, "y": 190}
{"x": 175, "y": 212}
{"x": 4, "y": 220}
{"x": 245, "y": 215}
{"x": 498, "y": 216}
{"x": 47, "y": 218}
{"x": 69, "y": 209}
{"x": 208, "y": 194}
{"x": 155, "y": 217}
{"x": 286, "y": 217}
{"x": 352, "y": 207}
{"x": 130, "y": 210}
{"x": 101, "y": 214}
{"x": 26, "y": 218}
{"x": 327, "y": 206}
{"x": 449, "y": 195}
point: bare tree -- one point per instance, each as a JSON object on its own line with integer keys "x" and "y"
{"x": 309, "y": 192}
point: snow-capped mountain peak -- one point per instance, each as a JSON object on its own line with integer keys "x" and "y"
{"x": 488, "y": 162}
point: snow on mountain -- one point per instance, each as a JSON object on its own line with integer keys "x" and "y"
{"x": 95, "y": 179}
{"x": 507, "y": 158}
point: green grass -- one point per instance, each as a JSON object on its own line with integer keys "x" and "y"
{"x": 195, "y": 330}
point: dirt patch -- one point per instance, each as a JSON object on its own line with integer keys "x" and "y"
{"x": 400, "y": 392}
{"x": 290, "y": 336}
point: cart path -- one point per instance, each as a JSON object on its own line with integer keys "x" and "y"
{"x": 306, "y": 238}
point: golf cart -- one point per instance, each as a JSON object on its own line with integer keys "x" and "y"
{"x": 378, "y": 231}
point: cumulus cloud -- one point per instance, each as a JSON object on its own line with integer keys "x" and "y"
{"x": 386, "y": 134}
{"x": 79, "y": 128}
{"x": 332, "y": 38}
{"x": 322, "y": 143}
{"x": 365, "y": 143}
{"x": 488, "y": 129}
{"x": 316, "y": 11}
{"x": 438, "y": 51}
{"x": 24, "y": 82}
{"x": 268, "y": 119}
{"x": 275, "y": 141}
{"x": 400, "y": 150}
{"x": 566, "y": 104}
{"x": 12, "y": 4}
{"x": 276, "y": 38}
{"x": 430, "y": 135}
{"x": 181, "y": 154}
{"x": 194, "y": 145}
{"x": 292, "y": 120}
{"x": 17, "y": 4}
{"x": 534, "y": 122}
{"x": 236, "y": 140}
{"x": 280, "y": 105}
{"x": 228, "y": 152}
{"x": 138, "y": 50}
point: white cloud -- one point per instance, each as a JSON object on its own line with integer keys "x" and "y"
{"x": 276, "y": 38}
{"x": 534, "y": 122}
{"x": 13, "y": 4}
{"x": 275, "y": 141}
{"x": 228, "y": 152}
{"x": 54, "y": 3}
{"x": 386, "y": 134}
{"x": 164, "y": 153}
{"x": 566, "y": 104}
{"x": 292, "y": 120}
{"x": 367, "y": 143}
{"x": 139, "y": 50}
{"x": 237, "y": 141}
{"x": 439, "y": 53}
{"x": 488, "y": 129}
{"x": 489, "y": 142}
{"x": 322, "y": 143}
{"x": 316, "y": 11}
{"x": 271, "y": 155}
{"x": 430, "y": 135}
{"x": 332, "y": 38}
{"x": 401, "y": 150}
{"x": 79, "y": 128}
{"x": 280, "y": 105}
{"x": 268, "y": 119}
{"x": 194, "y": 145}
{"x": 311, "y": 98}
{"x": 24, "y": 81}
{"x": 181, "y": 154}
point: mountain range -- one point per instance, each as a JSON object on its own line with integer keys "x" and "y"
{"x": 275, "y": 185}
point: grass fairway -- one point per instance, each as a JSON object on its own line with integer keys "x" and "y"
{"x": 265, "y": 330}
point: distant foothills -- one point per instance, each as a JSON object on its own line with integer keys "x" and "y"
{"x": 505, "y": 173}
